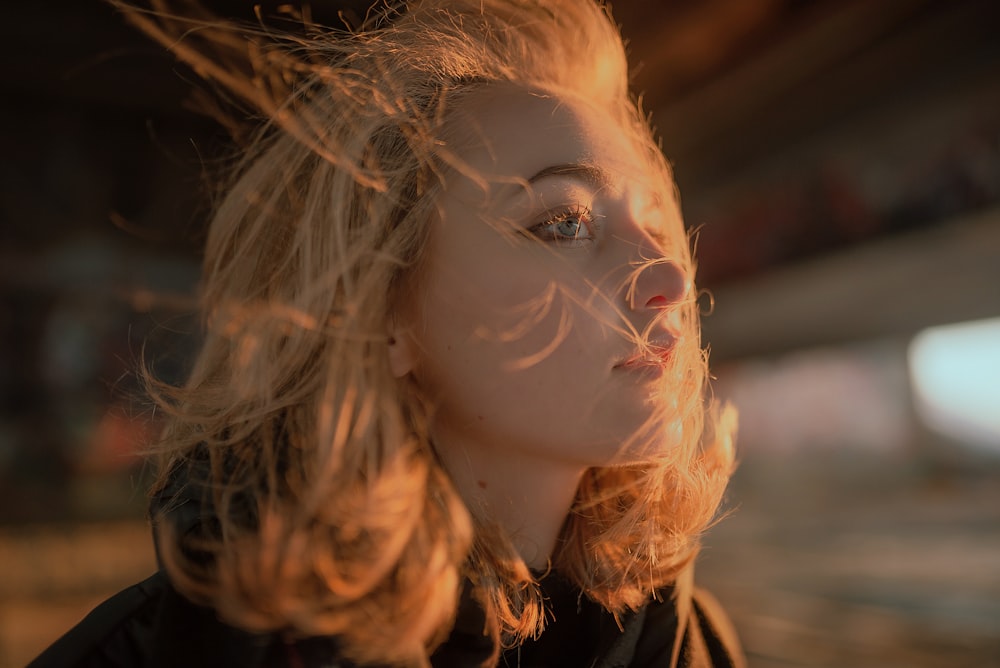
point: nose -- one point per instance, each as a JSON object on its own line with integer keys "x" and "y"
{"x": 659, "y": 284}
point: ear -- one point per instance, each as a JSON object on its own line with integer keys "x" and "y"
{"x": 402, "y": 351}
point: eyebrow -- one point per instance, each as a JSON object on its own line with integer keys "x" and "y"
{"x": 589, "y": 173}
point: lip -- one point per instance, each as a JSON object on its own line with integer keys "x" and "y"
{"x": 655, "y": 355}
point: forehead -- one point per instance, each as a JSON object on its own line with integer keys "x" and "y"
{"x": 505, "y": 135}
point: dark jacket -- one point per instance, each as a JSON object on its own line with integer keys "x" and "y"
{"x": 150, "y": 625}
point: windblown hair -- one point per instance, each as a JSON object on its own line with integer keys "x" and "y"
{"x": 327, "y": 510}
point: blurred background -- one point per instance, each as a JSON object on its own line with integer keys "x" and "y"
{"x": 840, "y": 160}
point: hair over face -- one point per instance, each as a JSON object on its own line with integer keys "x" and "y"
{"x": 329, "y": 513}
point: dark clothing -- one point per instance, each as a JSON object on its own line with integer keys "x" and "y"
{"x": 150, "y": 625}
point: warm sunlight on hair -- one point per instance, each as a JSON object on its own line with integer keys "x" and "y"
{"x": 452, "y": 354}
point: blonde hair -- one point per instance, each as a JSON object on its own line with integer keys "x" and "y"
{"x": 328, "y": 511}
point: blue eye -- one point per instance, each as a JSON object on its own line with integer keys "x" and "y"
{"x": 566, "y": 227}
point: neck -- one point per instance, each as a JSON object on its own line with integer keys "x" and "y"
{"x": 530, "y": 496}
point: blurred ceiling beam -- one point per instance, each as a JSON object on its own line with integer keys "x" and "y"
{"x": 885, "y": 289}
{"x": 843, "y": 58}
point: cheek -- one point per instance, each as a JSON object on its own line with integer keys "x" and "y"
{"x": 499, "y": 315}
{"x": 512, "y": 354}
{"x": 490, "y": 316}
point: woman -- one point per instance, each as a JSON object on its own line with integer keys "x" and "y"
{"x": 450, "y": 408}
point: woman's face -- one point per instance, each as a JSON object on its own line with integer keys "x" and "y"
{"x": 545, "y": 318}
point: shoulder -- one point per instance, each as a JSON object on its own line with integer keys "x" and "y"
{"x": 150, "y": 625}
{"x": 112, "y": 634}
{"x": 689, "y": 629}
{"x": 710, "y": 633}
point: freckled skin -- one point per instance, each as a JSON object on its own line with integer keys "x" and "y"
{"x": 519, "y": 331}
{"x": 484, "y": 285}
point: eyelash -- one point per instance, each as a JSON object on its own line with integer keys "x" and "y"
{"x": 586, "y": 219}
